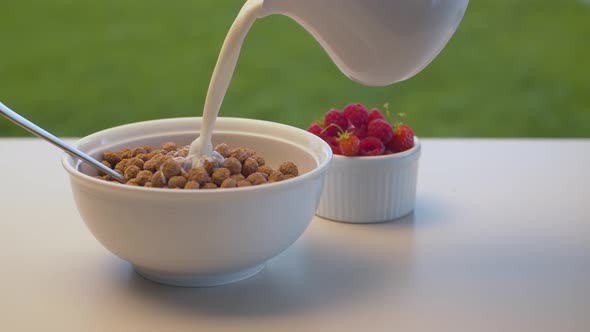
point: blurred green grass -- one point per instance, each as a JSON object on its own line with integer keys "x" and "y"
{"x": 513, "y": 69}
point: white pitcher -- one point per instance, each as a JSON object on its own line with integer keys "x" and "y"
{"x": 376, "y": 42}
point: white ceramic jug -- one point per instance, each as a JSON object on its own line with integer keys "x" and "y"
{"x": 376, "y": 42}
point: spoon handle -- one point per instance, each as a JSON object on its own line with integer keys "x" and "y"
{"x": 40, "y": 132}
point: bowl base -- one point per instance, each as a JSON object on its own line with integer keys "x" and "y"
{"x": 198, "y": 280}
{"x": 355, "y": 221}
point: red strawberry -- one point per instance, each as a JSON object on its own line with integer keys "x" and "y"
{"x": 334, "y": 144}
{"x": 349, "y": 144}
{"x": 381, "y": 129}
{"x": 403, "y": 138}
{"x": 335, "y": 122}
{"x": 315, "y": 129}
{"x": 371, "y": 146}
{"x": 357, "y": 114}
{"x": 374, "y": 115}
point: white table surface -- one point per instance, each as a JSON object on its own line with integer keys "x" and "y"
{"x": 499, "y": 241}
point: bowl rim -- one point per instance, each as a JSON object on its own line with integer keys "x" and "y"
{"x": 417, "y": 146}
{"x": 77, "y": 174}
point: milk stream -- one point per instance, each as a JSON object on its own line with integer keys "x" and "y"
{"x": 202, "y": 147}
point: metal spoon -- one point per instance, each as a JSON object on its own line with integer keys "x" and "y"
{"x": 38, "y": 131}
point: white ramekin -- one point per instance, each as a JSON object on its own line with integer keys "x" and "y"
{"x": 370, "y": 189}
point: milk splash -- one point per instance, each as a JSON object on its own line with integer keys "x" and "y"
{"x": 202, "y": 147}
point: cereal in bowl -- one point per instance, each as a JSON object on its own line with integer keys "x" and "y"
{"x": 163, "y": 168}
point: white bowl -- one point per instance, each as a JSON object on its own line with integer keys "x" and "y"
{"x": 371, "y": 189}
{"x": 201, "y": 237}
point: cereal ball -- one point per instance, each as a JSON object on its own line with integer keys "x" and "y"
{"x": 147, "y": 148}
{"x": 132, "y": 182}
{"x": 288, "y": 176}
{"x": 276, "y": 176}
{"x": 125, "y": 153}
{"x": 289, "y": 168}
{"x": 131, "y": 172}
{"x": 120, "y": 166}
{"x": 158, "y": 180}
{"x": 143, "y": 157}
{"x": 220, "y": 175}
{"x": 177, "y": 182}
{"x": 135, "y": 162}
{"x": 106, "y": 163}
{"x": 171, "y": 168}
{"x": 154, "y": 164}
{"x": 138, "y": 151}
{"x": 154, "y": 153}
{"x": 249, "y": 152}
{"x": 168, "y": 146}
{"x": 192, "y": 185}
{"x": 229, "y": 183}
{"x": 250, "y": 166}
{"x": 238, "y": 153}
{"x": 259, "y": 160}
{"x": 183, "y": 172}
{"x": 244, "y": 183}
{"x": 103, "y": 177}
{"x": 237, "y": 177}
{"x": 148, "y": 185}
{"x": 222, "y": 149}
{"x": 233, "y": 164}
{"x": 199, "y": 175}
{"x": 111, "y": 157}
{"x": 256, "y": 178}
{"x": 265, "y": 169}
{"x": 209, "y": 185}
{"x": 210, "y": 166}
{"x": 181, "y": 153}
{"x": 143, "y": 177}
